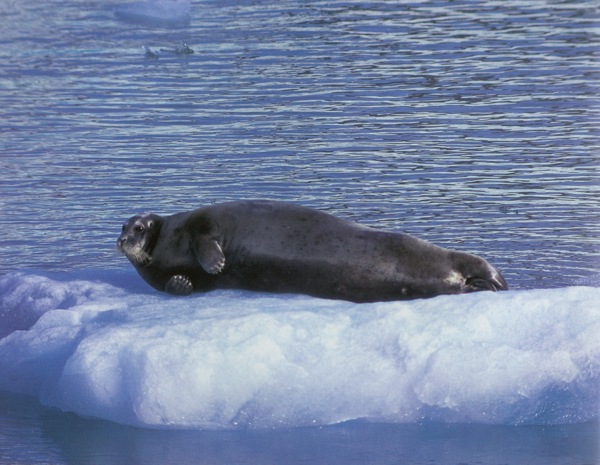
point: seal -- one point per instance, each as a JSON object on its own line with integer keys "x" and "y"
{"x": 280, "y": 247}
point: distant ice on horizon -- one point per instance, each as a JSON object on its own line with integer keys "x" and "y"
{"x": 111, "y": 348}
{"x": 156, "y": 12}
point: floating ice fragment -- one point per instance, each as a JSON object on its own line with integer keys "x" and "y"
{"x": 181, "y": 50}
{"x": 150, "y": 54}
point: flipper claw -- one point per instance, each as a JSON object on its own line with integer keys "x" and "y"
{"x": 179, "y": 285}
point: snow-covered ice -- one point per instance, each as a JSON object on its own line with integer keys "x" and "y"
{"x": 108, "y": 347}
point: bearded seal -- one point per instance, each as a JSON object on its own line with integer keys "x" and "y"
{"x": 280, "y": 247}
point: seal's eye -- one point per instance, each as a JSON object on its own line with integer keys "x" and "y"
{"x": 138, "y": 228}
{"x": 123, "y": 228}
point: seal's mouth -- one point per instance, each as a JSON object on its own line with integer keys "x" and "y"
{"x": 134, "y": 252}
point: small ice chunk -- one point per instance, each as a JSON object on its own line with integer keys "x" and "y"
{"x": 156, "y": 12}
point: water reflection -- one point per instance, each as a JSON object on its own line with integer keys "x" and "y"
{"x": 34, "y": 434}
{"x": 343, "y": 444}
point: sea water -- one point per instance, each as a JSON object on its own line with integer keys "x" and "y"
{"x": 472, "y": 125}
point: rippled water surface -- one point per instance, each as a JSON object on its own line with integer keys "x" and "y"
{"x": 475, "y": 125}
{"x": 471, "y": 124}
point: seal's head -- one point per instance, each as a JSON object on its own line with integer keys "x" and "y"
{"x": 138, "y": 237}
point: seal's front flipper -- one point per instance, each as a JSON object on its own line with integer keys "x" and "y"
{"x": 210, "y": 255}
{"x": 179, "y": 285}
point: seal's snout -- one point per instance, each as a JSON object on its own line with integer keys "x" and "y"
{"x": 124, "y": 242}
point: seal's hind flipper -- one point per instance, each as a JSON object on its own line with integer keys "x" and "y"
{"x": 210, "y": 256}
{"x": 179, "y": 285}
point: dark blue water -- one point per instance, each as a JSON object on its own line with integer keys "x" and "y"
{"x": 471, "y": 124}
{"x": 65, "y": 438}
